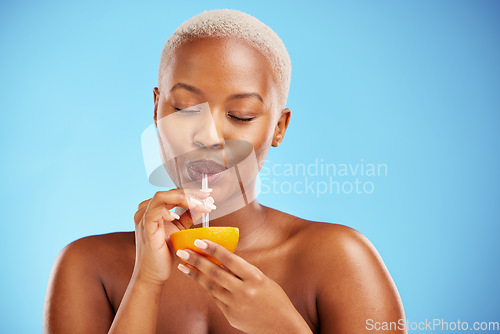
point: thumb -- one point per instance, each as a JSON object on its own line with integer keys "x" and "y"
{"x": 189, "y": 217}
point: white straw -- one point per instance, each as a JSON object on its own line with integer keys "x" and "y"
{"x": 204, "y": 186}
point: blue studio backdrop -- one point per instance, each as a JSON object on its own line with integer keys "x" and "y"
{"x": 394, "y": 132}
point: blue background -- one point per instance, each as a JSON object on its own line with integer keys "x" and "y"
{"x": 414, "y": 85}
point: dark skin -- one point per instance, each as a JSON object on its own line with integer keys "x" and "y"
{"x": 288, "y": 275}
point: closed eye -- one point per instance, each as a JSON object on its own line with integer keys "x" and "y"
{"x": 187, "y": 110}
{"x": 241, "y": 119}
{"x": 192, "y": 111}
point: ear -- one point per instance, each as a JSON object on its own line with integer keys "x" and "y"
{"x": 156, "y": 97}
{"x": 279, "y": 130}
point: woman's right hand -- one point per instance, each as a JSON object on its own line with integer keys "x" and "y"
{"x": 153, "y": 225}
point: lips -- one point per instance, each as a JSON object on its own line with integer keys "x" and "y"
{"x": 197, "y": 168}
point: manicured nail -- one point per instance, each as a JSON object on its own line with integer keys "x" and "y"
{"x": 182, "y": 254}
{"x": 206, "y": 190}
{"x": 210, "y": 206}
{"x": 183, "y": 268}
{"x": 176, "y": 216}
{"x": 194, "y": 202}
{"x": 200, "y": 244}
{"x": 209, "y": 200}
{"x": 202, "y": 194}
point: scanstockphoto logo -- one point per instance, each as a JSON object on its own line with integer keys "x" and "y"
{"x": 438, "y": 326}
{"x": 321, "y": 177}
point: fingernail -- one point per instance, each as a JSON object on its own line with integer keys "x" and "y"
{"x": 206, "y": 190}
{"x": 182, "y": 254}
{"x": 183, "y": 268}
{"x": 176, "y": 216}
{"x": 194, "y": 201}
{"x": 210, "y": 206}
{"x": 209, "y": 200}
{"x": 200, "y": 244}
{"x": 203, "y": 194}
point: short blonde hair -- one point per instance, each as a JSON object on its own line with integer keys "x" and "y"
{"x": 234, "y": 23}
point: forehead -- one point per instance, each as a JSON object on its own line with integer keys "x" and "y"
{"x": 220, "y": 66}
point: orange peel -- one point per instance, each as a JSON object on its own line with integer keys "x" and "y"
{"x": 225, "y": 236}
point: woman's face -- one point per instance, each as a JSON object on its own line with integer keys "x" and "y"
{"x": 217, "y": 108}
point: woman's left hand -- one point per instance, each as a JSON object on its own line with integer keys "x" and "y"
{"x": 251, "y": 302}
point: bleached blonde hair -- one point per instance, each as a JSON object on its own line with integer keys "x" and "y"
{"x": 234, "y": 23}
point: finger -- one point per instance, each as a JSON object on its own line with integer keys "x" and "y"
{"x": 210, "y": 270}
{"x": 158, "y": 218}
{"x": 222, "y": 306}
{"x": 233, "y": 262}
{"x": 159, "y": 214}
{"x": 144, "y": 204}
{"x": 140, "y": 211}
{"x": 194, "y": 200}
{"x": 189, "y": 198}
{"x": 186, "y": 198}
{"x": 138, "y": 216}
{"x": 150, "y": 227}
{"x": 212, "y": 287}
{"x": 172, "y": 226}
{"x": 189, "y": 217}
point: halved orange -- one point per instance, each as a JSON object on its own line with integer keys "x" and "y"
{"x": 225, "y": 236}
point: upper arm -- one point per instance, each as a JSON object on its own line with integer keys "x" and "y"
{"x": 76, "y": 301}
{"x": 357, "y": 290}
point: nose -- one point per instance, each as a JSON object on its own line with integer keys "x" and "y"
{"x": 209, "y": 132}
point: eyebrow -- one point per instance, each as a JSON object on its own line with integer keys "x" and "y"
{"x": 186, "y": 87}
{"x": 245, "y": 95}
{"x": 196, "y": 91}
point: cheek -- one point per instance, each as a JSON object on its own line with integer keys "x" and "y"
{"x": 259, "y": 133}
{"x": 171, "y": 139}
{"x": 174, "y": 135}
{"x": 260, "y": 136}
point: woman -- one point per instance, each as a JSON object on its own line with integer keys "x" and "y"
{"x": 223, "y": 84}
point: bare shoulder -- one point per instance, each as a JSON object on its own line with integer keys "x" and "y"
{"x": 322, "y": 239}
{"x": 321, "y": 243}
{"x": 341, "y": 252}
{"x": 77, "y": 279}
{"x": 104, "y": 246}
{"x": 341, "y": 240}
{"x": 97, "y": 252}
{"x": 327, "y": 237}
{"x": 108, "y": 240}
{"x": 350, "y": 276}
